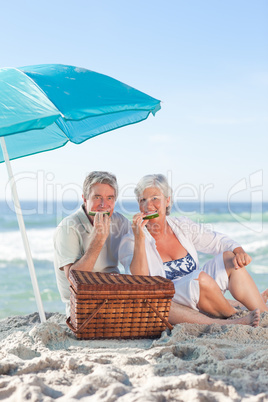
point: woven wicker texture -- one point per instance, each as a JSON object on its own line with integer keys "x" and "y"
{"x": 119, "y": 306}
{"x": 88, "y": 282}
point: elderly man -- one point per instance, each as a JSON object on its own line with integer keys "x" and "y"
{"x": 88, "y": 240}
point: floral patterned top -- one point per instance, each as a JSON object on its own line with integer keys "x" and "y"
{"x": 181, "y": 267}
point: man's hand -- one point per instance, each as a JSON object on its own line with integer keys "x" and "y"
{"x": 241, "y": 259}
{"x": 101, "y": 226}
{"x": 100, "y": 232}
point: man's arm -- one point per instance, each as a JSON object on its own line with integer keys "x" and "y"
{"x": 99, "y": 235}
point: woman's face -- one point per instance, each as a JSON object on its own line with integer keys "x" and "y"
{"x": 153, "y": 200}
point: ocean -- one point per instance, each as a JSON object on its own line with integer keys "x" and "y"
{"x": 244, "y": 222}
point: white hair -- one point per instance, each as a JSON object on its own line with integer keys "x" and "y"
{"x": 155, "y": 180}
{"x": 99, "y": 177}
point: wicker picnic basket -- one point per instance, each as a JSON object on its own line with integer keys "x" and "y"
{"x": 119, "y": 306}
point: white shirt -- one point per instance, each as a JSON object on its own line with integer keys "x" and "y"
{"x": 192, "y": 236}
{"x": 71, "y": 240}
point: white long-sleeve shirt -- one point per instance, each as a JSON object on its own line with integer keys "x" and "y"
{"x": 192, "y": 236}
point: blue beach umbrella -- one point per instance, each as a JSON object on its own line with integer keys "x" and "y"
{"x": 43, "y": 107}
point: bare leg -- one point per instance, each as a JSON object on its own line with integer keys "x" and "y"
{"x": 180, "y": 314}
{"x": 264, "y": 295}
{"x": 211, "y": 299}
{"x": 241, "y": 285}
{"x": 236, "y": 303}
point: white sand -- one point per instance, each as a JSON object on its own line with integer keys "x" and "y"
{"x": 44, "y": 362}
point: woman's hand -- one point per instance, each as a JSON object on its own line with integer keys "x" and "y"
{"x": 139, "y": 264}
{"x": 138, "y": 224}
{"x": 241, "y": 259}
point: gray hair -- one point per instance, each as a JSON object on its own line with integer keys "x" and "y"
{"x": 99, "y": 177}
{"x": 155, "y": 180}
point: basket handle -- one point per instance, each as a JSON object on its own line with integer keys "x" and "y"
{"x": 82, "y": 326}
{"x": 159, "y": 315}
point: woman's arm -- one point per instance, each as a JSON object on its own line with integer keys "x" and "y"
{"x": 208, "y": 241}
{"x": 241, "y": 259}
{"x": 205, "y": 239}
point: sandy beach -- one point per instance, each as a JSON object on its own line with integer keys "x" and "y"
{"x": 44, "y": 362}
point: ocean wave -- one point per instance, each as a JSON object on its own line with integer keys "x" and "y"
{"x": 242, "y": 218}
{"x": 259, "y": 269}
{"x": 258, "y": 245}
{"x": 40, "y": 241}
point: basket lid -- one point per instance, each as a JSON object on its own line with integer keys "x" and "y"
{"x": 92, "y": 282}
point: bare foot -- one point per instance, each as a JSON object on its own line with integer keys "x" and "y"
{"x": 265, "y": 296}
{"x": 252, "y": 319}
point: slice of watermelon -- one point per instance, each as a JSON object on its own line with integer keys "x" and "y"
{"x": 93, "y": 213}
{"x": 151, "y": 216}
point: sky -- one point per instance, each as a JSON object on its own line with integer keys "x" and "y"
{"x": 206, "y": 60}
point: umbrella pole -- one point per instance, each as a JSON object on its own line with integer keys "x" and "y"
{"x": 23, "y": 232}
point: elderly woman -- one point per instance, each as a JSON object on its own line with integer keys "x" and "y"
{"x": 167, "y": 246}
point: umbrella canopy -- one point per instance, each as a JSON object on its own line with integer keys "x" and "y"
{"x": 43, "y": 107}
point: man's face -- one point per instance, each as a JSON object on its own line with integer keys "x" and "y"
{"x": 100, "y": 199}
